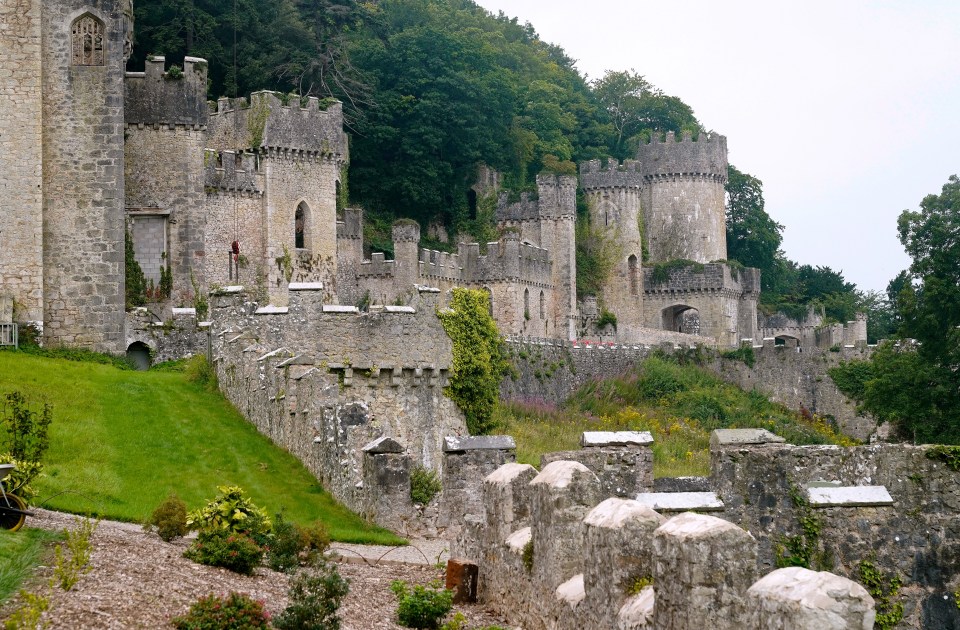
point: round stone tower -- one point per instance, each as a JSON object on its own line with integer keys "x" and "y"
{"x": 683, "y": 197}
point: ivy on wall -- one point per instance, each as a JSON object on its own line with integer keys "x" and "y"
{"x": 478, "y": 361}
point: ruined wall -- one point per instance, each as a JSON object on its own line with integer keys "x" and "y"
{"x": 165, "y": 124}
{"x": 83, "y": 183}
{"x": 614, "y": 195}
{"x": 684, "y": 198}
{"x": 21, "y": 157}
{"x": 177, "y": 337}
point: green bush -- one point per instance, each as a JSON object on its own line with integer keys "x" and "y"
{"x": 424, "y": 485}
{"x": 232, "y": 511}
{"x": 27, "y": 428}
{"x": 315, "y": 596}
{"x": 421, "y": 606}
{"x": 234, "y": 551}
{"x": 67, "y": 570}
{"x": 233, "y": 612}
{"x": 18, "y": 481}
{"x": 291, "y": 545}
{"x": 169, "y": 519}
{"x": 199, "y": 371}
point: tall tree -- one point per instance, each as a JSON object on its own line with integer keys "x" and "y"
{"x": 753, "y": 238}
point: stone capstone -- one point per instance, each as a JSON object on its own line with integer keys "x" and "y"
{"x": 796, "y": 598}
{"x": 456, "y": 443}
{"x": 743, "y": 437}
{"x": 383, "y": 444}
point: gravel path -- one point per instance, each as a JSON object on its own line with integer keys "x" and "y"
{"x": 138, "y": 581}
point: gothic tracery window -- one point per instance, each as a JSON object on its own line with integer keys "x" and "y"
{"x": 87, "y": 41}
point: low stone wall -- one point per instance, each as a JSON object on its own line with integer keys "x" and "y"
{"x": 178, "y": 336}
{"x": 551, "y": 557}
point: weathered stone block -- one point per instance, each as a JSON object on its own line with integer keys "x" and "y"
{"x": 615, "y": 438}
{"x": 795, "y": 598}
{"x": 462, "y": 580}
{"x": 681, "y": 501}
{"x": 849, "y": 496}
{"x": 455, "y": 443}
{"x": 743, "y": 437}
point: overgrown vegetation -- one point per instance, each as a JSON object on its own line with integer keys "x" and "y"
{"x": 72, "y": 557}
{"x": 596, "y": 255}
{"x": 662, "y": 271}
{"x": 121, "y": 441}
{"x": 421, "y": 606}
{"x": 478, "y": 361}
{"x": 526, "y": 556}
{"x": 883, "y": 587}
{"x": 424, "y": 485}
{"x": 20, "y": 553}
{"x": 314, "y": 598}
{"x": 169, "y": 519}
{"x": 679, "y": 404}
{"x": 135, "y": 283}
{"x": 802, "y": 549}
{"x": 26, "y": 440}
{"x": 743, "y": 353}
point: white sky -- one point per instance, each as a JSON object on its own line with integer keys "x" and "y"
{"x": 847, "y": 110}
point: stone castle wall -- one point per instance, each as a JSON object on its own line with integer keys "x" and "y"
{"x": 21, "y": 157}
{"x": 83, "y": 180}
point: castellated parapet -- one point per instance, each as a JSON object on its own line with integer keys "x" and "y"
{"x": 704, "y": 157}
{"x": 158, "y": 97}
{"x": 615, "y": 175}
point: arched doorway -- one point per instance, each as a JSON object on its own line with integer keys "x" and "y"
{"x": 138, "y": 355}
{"x": 681, "y": 318}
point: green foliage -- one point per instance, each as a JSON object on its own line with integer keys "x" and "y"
{"x": 236, "y": 611}
{"x": 802, "y": 549}
{"x": 883, "y": 587}
{"x": 421, "y": 606}
{"x": 424, "y": 485}
{"x": 949, "y": 455}
{"x": 198, "y": 370}
{"x": 478, "y": 361}
{"x": 234, "y": 551}
{"x": 662, "y": 271}
{"x": 169, "y": 519}
{"x": 26, "y": 440}
{"x": 637, "y": 584}
{"x": 200, "y": 303}
{"x": 851, "y": 377}
{"x": 596, "y": 255}
{"x": 135, "y": 284}
{"x": 606, "y": 319}
{"x": 526, "y": 556}
{"x": 68, "y": 569}
{"x": 753, "y": 238}
{"x": 166, "y": 281}
{"x": 291, "y": 546}
{"x": 315, "y": 596}
{"x": 232, "y": 512}
{"x": 174, "y": 73}
{"x": 28, "y": 615}
{"x": 20, "y": 553}
{"x": 743, "y": 353}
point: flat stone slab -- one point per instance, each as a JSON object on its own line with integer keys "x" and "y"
{"x": 681, "y": 501}
{"x": 571, "y": 592}
{"x": 270, "y": 309}
{"x": 339, "y": 308}
{"x": 849, "y": 496}
{"x": 305, "y": 286}
{"x": 183, "y": 311}
{"x": 615, "y": 438}
{"x": 456, "y": 443}
{"x": 518, "y": 540}
{"x": 399, "y": 309}
{"x": 383, "y": 444}
{"x": 743, "y": 437}
{"x": 235, "y": 288}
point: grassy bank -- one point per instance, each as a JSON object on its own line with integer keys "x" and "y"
{"x": 121, "y": 441}
{"x": 679, "y": 404}
{"x": 20, "y": 553}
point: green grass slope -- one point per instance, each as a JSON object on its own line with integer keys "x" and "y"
{"x": 20, "y": 552}
{"x": 679, "y": 404}
{"x": 121, "y": 441}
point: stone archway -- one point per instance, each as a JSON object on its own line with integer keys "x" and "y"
{"x": 138, "y": 355}
{"x": 681, "y": 318}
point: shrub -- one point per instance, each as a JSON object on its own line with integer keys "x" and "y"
{"x": 18, "y": 481}
{"x": 234, "y": 551}
{"x": 526, "y": 556}
{"x": 27, "y": 428}
{"x": 232, "y": 511}
{"x": 68, "y": 570}
{"x": 28, "y": 615}
{"x": 315, "y": 596}
{"x": 169, "y": 519}
{"x": 606, "y": 319}
{"x": 233, "y": 612}
{"x": 424, "y": 485}
{"x": 291, "y": 545}
{"x": 422, "y": 606}
{"x": 199, "y": 371}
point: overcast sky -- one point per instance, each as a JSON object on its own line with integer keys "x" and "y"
{"x": 848, "y": 111}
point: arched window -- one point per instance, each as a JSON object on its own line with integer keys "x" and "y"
{"x": 543, "y": 306}
{"x": 526, "y": 303}
{"x": 87, "y": 41}
{"x": 301, "y": 222}
{"x": 634, "y": 269}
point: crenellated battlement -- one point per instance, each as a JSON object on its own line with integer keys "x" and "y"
{"x": 160, "y": 97}
{"x": 284, "y": 127}
{"x": 556, "y": 198}
{"x": 704, "y": 157}
{"x": 678, "y": 278}
{"x": 594, "y": 175}
{"x": 351, "y": 227}
{"x": 232, "y": 171}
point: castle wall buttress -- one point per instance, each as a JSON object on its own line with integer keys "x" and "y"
{"x": 21, "y": 157}
{"x": 83, "y": 163}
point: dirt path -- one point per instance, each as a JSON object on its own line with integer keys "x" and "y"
{"x": 138, "y": 581}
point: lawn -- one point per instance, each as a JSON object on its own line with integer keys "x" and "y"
{"x": 122, "y": 440}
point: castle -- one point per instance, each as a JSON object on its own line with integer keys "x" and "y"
{"x": 250, "y": 192}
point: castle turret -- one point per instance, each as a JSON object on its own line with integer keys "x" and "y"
{"x": 406, "y": 253}
{"x": 557, "y": 211}
{"x": 683, "y": 201}
{"x": 614, "y": 195}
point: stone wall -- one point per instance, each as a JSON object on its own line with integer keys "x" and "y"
{"x": 83, "y": 185}
{"x": 552, "y": 555}
{"x": 177, "y": 337}
{"x": 21, "y": 187}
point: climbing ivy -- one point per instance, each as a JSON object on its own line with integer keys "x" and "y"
{"x": 136, "y": 284}
{"x": 803, "y": 549}
{"x": 949, "y": 455}
{"x": 661, "y": 271}
{"x": 883, "y": 587}
{"x": 478, "y": 360}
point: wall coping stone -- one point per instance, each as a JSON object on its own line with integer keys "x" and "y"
{"x": 399, "y": 309}
{"x": 234, "y": 288}
{"x": 519, "y": 539}
{"x": 560, "y": 474}
{"x": 612, "y": 513}
{"x": 849, "y": 496}
{"x": 305, "y": 286}
{"x": 681, "y": 501}
{"x": 507, "y": 473}
{"x": 809, "y": 589}
{"x": 615, "y": 438}
{"x": 425, "y": 289}
{"x": 204, "y": 324}
{"x": 743, "y": 437}
{"x": 637, "y": 611}
{"x": 457, "y": 444}
{"x": 339, "y": 308}
{"x": 270, "y": 309}
{"x": 383, "y": 444}
{"x": 270, "y": 354}
{"x": 572, "y": 591}
{"x": 183, "y": 311}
